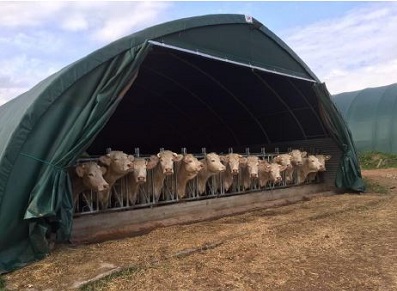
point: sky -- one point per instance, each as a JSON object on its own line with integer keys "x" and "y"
{"x": 348, "y": 45}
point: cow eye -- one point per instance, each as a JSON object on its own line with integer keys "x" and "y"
{"x": 213, "y": 161}
{"x": 91, "y": 174}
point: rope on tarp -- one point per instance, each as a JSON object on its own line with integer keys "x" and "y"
{"x": 42, "y": 161}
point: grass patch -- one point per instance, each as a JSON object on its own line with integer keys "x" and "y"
{"x": 103, "y": 282}
{"x": 377, "y": 160}
{"x": 2, "y": 283}
{"x": 373, "y": 186}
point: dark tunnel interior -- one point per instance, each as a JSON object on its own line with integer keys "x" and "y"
{"x": 183, "y": 100}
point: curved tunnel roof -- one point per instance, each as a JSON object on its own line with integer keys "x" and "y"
{"x": 214, "y": 81}
{"x": 371, "y": 116}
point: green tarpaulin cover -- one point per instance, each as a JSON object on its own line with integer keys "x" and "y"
{"x": 44, "y": 130}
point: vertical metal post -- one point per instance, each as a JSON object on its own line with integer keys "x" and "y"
{"x": 137, "y": 154}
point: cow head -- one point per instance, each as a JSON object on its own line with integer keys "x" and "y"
{"x": 166, "y": 160}
{"x": 232, "y": 162}
{"x": 252, "y": 165}
{"x": 284, "y": 160}
{"x": 139, "y": 170}
{"x": 92, "y": 175}
{"x": 322, "y": 159}
{"x": 214, "y": 164}
{"x": 296, "y": 157}
{"x": 313, "y": 164}
{"x": 192, "y": 164}
{"x": 117, "y": 162}
{"x": 274, "y": 170}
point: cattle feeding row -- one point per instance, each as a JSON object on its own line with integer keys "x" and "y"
{"x": 152, "y": 179}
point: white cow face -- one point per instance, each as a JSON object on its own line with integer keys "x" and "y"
{"x": 139, "y": 170}
{"x": 322, "y": 159}
{"x": 313, "y": 164}
{"x": 118, "y": 162}
{"x": 214, "y": 163}
{"x": 192, "y": 164}
{"x": 167, "y": 159}
{"x": 274, "y": 170}
{"x": 252, "y": 166}
{"x": 92, "y": 175}
{"x": 284, "y": 160}
{"x": 296, "y": 157}
{"x": 233, "y": 160}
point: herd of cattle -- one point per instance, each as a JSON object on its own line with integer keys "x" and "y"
{"x": 101, "y": 175}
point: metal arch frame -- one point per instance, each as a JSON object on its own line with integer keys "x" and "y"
{"x": 200, "y": 100}
{"x": 282, "y": 101}
{"x": 308, "y": 103}
{"x": 178, "y": 109}
{"x": 156, "y": 43}
{"x": 224, "y": 88}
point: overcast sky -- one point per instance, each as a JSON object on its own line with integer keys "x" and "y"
{"x": 348, "y": 45}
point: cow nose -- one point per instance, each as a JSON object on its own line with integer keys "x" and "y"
{"x": 105, "y": 186}
{"x": 168, "y": 170}
{"x": 279, "y": 179}
{"x": 235, "y": 171}
{"x": 141, "y": 179}
{"x": 254, "y": 175}
{"x": 289, "y": 166}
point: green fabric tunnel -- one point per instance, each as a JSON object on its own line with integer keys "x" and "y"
{"x": 215, "y": 81}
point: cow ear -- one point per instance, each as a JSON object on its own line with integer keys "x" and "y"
{"x": 103, "y": 170}
{"x": 282, "y": 168}
{"x": 277, "y": 159}
{"x": 262, "y": 162}
{"x": 131, "y": 158}
{"x": 243, "y": 161}
{"x": 177, "y": 158}
{"x": 106, "y": 160}
{"x": 80, "y": 170}
{"x": 223, "y": 158}
{"x": 303, "y": 154}
{"x": 327, "y": 157}
{"x": 153, "y": 161}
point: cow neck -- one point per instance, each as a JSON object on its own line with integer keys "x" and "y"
{"x": 111, "y": 176}
{"x": 77, "y": 183}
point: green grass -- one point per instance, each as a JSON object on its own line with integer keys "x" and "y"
{"x": 2, "y": 284}
{"x": 377, "y": 160}
{"x": 373, "y": 186}
{"x": 102, "y": 283}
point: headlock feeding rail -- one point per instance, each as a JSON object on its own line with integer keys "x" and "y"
{"x": 125, "y": 194}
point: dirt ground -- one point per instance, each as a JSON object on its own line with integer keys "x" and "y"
{"x": 339, "y": 242}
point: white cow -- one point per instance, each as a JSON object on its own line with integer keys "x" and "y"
{"x": 164, "y": 167}
{"x": 322, "y": 159}
{"x": 292, "y": 161}
{"x": 117, "y": 165}
{"x": 250, "y": 170}
{"x": 232, "y": 163}
{"x": 87, "y": 176}
{"x": 311, "y": 164}
{"x": 270, "y": 173}
{"x": 211, "y": 166}
{"x": 137, "y": 177}
{"x": 187, "y": 169}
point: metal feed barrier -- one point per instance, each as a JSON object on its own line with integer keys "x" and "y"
{"x": 88, "y": 202}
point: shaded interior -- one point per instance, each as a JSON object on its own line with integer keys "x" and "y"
{"x": 183, "y": 100}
